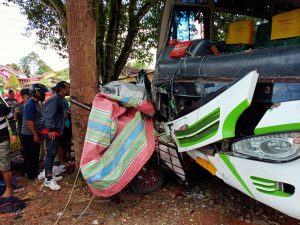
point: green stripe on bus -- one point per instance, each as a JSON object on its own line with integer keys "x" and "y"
{"x": 200, "y": 137}
{"x": 262, "y": 180}
{"x": 227, "y": 162}
{"x": 275, "y": 193}
{"x": 228, "y": 129}
{"x": 278, "y": 128}
{"x": 208, "y": 119}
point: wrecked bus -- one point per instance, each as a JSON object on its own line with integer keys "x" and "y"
{"x": 227, "y": 89}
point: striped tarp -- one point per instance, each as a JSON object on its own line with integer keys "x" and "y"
{"x": 119, "y": 141}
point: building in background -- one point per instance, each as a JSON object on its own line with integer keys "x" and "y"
{"x": 7, "y": 71}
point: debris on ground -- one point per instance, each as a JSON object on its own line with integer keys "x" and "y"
{"x": 210, "y": 202}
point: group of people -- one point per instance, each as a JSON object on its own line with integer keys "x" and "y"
{"x": 36, "y": 119}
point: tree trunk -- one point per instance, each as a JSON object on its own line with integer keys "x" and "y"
{"x": 83, "y": 70}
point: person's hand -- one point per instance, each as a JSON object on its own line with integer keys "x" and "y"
{"x": 13, "y": 139}
{"x": 17, "y": 110}
{"x": 51, "y": 135}
{"x": 36, "y": 138}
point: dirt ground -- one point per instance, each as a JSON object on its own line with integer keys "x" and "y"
{"x": 210, "y": 202}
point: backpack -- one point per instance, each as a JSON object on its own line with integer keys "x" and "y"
{"x": 11, "y": 204}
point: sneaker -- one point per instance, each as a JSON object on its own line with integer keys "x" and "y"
{"x": 51, "y": 184}
{"x": 42, "y": 175}
{"x": 58, "y": 169}
{"x": 57, "y": 178}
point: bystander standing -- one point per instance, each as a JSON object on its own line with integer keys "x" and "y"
{"x": 6, "y": 115}
{"x": 19, "y": 111}
{"x": 31, "y": 128}
{"x": 11, "y": 101}
{"x": 54, "y": 116}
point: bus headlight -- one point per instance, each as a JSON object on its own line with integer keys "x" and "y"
{"x": 275, "y": 147}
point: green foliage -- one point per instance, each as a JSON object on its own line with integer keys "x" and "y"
{"x": 147, "y": 37}
{"x": 47, "y": 82}
{"x": 52, "y": 78}
{"x": 32, "y": 62}
{"x": 125, "y": 29}
{"x": 222, "y": 21}
{"x": 12, "y": 82}
{"x": 1, "y": 84}
{"x": 42, "y": 67}
{"x": 25, "y": 65}
{"x": 138, "y": 65}
{"x": 44, "y": 22}
{"x": 15, "y": 67}
{"x": 63, "y": 75}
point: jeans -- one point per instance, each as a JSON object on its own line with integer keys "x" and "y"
{"x": 51, "y": 153}
{"x": 31, "y": 152}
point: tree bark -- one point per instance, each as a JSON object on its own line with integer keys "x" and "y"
{"x": 82, "y": 59}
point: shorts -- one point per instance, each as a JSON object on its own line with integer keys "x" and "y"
{"x": 4, "y": 156}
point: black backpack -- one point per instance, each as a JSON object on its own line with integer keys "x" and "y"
{"x": 11, "y": 204}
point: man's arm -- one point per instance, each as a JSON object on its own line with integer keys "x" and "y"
{"x": 49, "y": 114}
{"x": 13, "y": 127}
{"x": 50, "y": 108}
{"x": 29, "y": 114}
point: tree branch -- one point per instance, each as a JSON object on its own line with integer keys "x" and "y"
{"x": 131, "y": 9}
{"x": 111, "y": 38}
{"x": 145, "y": 8}
{"x": 61, "y": 11}
{"x": 133, "y": 29}
{"x": 100, "y": 15}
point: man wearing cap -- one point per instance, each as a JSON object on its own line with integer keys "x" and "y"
{"x": 31, "y": 128}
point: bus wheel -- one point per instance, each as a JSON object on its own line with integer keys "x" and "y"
{"x": 150, "y": 178}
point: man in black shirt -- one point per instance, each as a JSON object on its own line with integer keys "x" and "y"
{"x": 11, "y": 101}
{"x": 6, "y": 115}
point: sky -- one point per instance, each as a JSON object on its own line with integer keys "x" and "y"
{"x": 14, "y": 45}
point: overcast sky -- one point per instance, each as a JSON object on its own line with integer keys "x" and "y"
{"x": 14, "y": 45}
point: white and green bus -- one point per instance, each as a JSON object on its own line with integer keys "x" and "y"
{"x": 227, "y": 89}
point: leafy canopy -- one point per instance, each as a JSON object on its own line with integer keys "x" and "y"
{"x": 12, "y": 82}
{"x": 33, "y": 64}
{"x": 125, "y": 29}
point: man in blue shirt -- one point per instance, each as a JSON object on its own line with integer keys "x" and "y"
{"x": 31, "y": 128}
{"x": 54, "y": 117}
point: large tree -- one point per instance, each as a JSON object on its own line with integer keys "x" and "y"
{"x": 124, "y": 29}
{"x": 101, "y": 35}
{"x": 12, "y": 82}
{"x": 33, "y": 64}
{"x": 83, "y": 67}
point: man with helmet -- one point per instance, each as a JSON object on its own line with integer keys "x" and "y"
{"x": 54, "y": 116}
{"x": 31, "y": 128}
{"x": 6, "y": 115}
